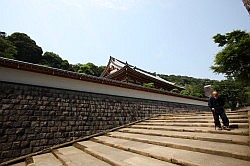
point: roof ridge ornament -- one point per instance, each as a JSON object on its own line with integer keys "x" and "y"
{"x": 112, "y": 58}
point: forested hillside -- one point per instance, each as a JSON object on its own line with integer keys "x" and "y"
{"x": 194, "y": 86}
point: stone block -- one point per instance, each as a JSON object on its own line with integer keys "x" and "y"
{"x": 20, "y": 131}
{"x": 26, "y": 151}
{"x": 16, "y": 145}
{"x": 6, "y": 154}
{"x": 31, "y": 136}
{"x": 72, "y": 123}
{"x": 10, "y": 131}
{"x": 68, "y": 128}
{"x": 35, "y": 124}
{"x": 6, "y": 146}
{"x": 54, "y": 129}
{"x": 52, "y": 113}
{"x": 51, "y": 123}
{"x": 32, "y": 118}
{"x": 43, "y": 142}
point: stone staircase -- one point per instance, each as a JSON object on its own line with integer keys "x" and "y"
{"x": 173, "y": 139}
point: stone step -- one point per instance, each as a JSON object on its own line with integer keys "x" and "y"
{"x": 183, "y": 139}
{"x": 195, "y": 121}
{"x": 198, "y": 114}
{"x": 116, "y": 156}
{"x": 47, "y": 159}
{"x": 198, "y": 117}
{"x": 177, "y": 156}
{"x": 226, "y": 138}
{"x": 239, "y": 125}
{"x": 242, "y": 131}
{"x": 222, "y": 149}
{"x": 72, "y": 156}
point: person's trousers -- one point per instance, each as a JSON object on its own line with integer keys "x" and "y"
{"x": 224, "y": 118}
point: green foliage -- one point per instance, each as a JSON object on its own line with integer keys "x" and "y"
{"x": 234, "y": 59}
{"x": 175, "y": 90}
{"x": 149, "y": 85}
{"x": 100, "y": 70}
{"x": 196, "y": 90}
{"x": 89, "y": 68}
{"x": 185, "y": 92}
{"x": 247, "y": 89}
{"x": 194, "y": 86}
{"x": 184, "y": 80}
{"x": 7, "y": 50}
{"x": 27, "y": 50}
{"x": 53, "y": 60}
{"x": 21, "y": 47}
{"x": 232, "y": 91}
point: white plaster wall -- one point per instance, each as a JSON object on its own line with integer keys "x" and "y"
{"x": 32, "y": 78}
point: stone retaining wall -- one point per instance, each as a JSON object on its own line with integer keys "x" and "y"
{"x": 33, "y": 117}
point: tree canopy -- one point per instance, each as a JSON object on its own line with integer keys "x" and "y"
{"x": 27, "y": 49}
{"x": 234, "y": 58}
{"x": 233, "y": 61}
{"x": 7, "y": 50}
{"x": 194, "y": 86}
{"x": 88, "y": 68}
{"x": 232, "y": 91}
{"x": 53, "y": 60}
{"x": 20, "y": 46}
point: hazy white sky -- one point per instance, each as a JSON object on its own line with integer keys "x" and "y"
{"x": 162, "y": 36}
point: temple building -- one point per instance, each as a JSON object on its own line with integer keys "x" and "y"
{"x": 122, "y": 71}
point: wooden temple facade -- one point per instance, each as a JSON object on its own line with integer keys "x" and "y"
{"x": 122, "y": 71}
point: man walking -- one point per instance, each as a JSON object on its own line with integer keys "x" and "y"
{"x": 216, "y": 104}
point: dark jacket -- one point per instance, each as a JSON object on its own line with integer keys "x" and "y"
{"x": 217, "y": 104}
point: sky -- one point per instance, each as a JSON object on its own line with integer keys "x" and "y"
{"x": 162, "y": 36}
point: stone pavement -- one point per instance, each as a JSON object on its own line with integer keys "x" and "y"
{"x": 171, "y": 139}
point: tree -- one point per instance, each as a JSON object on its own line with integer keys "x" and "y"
{"x": 53, "y": 60}
{"x": 149, "y": 85}
{"x": 234, "y": 59}
{"x": 232, "y": 92}
{"x": 100, "y": 70}
{"x": 21, "y": 47}
{"x": 194, "y": 86}
{"x": 7, "y": 50}
{"x": 27, "y": 50}
{"x": 89, "y": 68}
{"x": 185, "y": 92}
{"x": 175, "y": 90}
{"x": 196, "y": 89}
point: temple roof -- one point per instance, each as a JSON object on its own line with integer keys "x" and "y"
{"x": 115, "y": 65}
{"x": 247, "y": 5}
